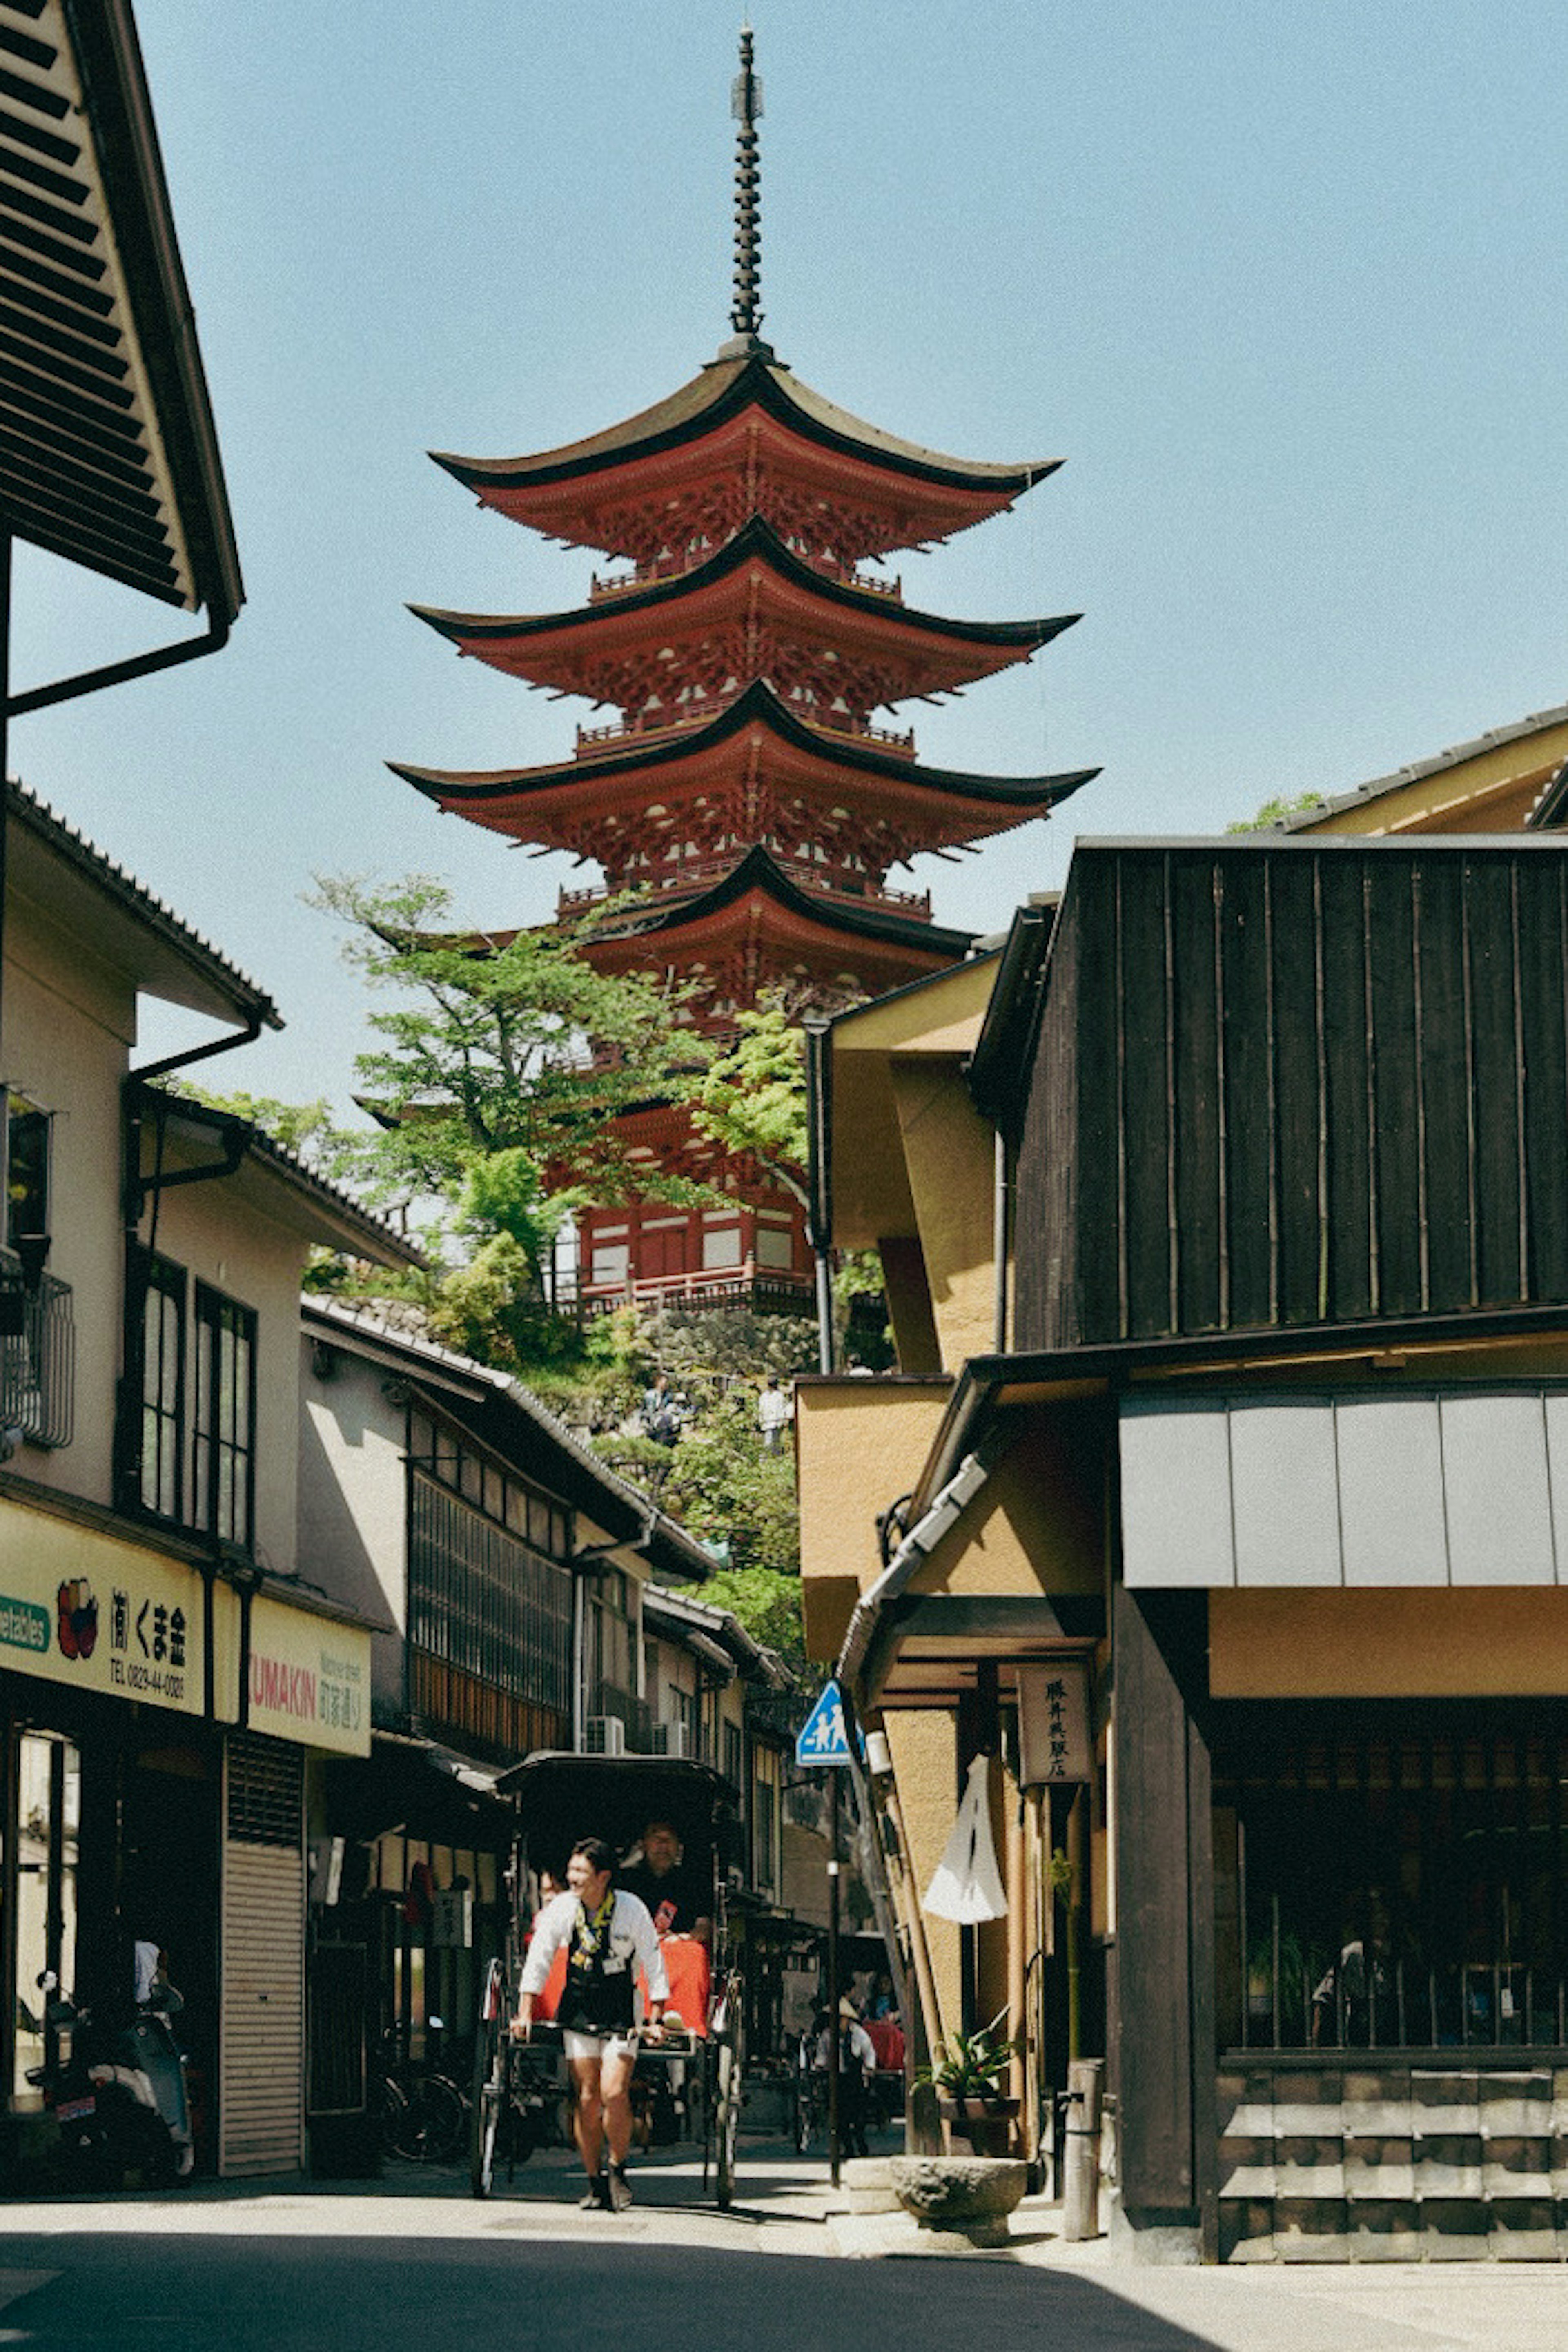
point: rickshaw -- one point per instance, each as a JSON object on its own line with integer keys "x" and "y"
{"x": 688, "y": 2084}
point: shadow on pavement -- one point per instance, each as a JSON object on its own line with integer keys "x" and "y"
{"x": 112, "y": 2292}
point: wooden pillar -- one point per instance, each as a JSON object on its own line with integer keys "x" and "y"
{"x": 1164, "y": 1945}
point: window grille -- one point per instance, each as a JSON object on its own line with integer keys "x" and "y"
{"x": 37, "y": 1356}
{"x": 162, "y": 1385}
{"x": 1402, "y": 1892}
{"x": 266, "y": 1803}
{"x": 223, "y": 1454}
{"x": 483, "y": 1602}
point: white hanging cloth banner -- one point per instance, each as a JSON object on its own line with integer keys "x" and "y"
{"x": 967, "y": 1884}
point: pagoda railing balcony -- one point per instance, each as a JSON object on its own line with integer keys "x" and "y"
{"x": 605, "y": 587}
{"x": 734, "y": 1287}
{"x": 650, "y": 727}
{"x": 861, "y": 731}
{"x": 695, "y": 873}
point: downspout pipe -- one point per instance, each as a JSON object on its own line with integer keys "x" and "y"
{"x": 819, "y": 1135}
{"x": 121, "y": 673}
{"x": 584, "y": 1564}
{"x": 921, "y": 1539}
{"x": 1001, "y": 1238}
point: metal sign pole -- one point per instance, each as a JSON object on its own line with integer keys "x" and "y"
{"x": 835, "y": 1858}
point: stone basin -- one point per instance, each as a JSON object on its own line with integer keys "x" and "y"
{"x": 973, "y": 2195}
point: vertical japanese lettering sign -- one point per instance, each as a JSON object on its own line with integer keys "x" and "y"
{"x": 1054, "y": 1741}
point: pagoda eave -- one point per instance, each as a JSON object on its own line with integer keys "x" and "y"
{"x": 777, "y": 939}
{"x": 756, "y": 732}
{"x": 577, "y": 490}
{"x": 764, "y": 597}
{"x": 569, "y": 812}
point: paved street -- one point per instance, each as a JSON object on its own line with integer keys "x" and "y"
{"x": 414, "y": 2262}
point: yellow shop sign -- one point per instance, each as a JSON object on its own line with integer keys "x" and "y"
{"x": 87, "y": 1610}
{"x": 309, "y": 1679}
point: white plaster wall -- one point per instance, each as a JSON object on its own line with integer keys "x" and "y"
{"x": 257, "y": 1261}
{"x": 69, "y": 1027}
{"x": 353, "y": 1527}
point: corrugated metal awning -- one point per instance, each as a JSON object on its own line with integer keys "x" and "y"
{"x": 1456, "y": 1487}
{"x": 108, "y": 453}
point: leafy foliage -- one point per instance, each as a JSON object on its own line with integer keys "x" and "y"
{"x": 307, "y": 1130}
{"x": 974, "y": 2065}
{"x": 767, "y": 1602}
{"x": 1272, "y": 811}
{"x": 752, "y": 1100}
{"x": 508, "y": 1046}
{"x": 726, "y": 1489}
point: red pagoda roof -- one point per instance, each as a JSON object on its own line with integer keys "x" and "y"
{"x": 746, "y": 413}
{"x": 751, "y": 922}
{"x": 746, "y": 760}
{"x": 751, "y": 609}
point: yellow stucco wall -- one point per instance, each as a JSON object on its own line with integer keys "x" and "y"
{"x": 949, "y": 1152}
{"x": 924, "y": 1745}
{"x": 1500, "y": 1642}
{"x": 861, "y": 1445}
{"x": 1036, "y": 1525}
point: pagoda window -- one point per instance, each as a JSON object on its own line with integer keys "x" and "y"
{"x": 720, "y": 1248}
{"x": 611, "y": 1264}
{"x": 775, "y": 1250}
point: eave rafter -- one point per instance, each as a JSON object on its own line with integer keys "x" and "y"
{"x": 753, "y": 611}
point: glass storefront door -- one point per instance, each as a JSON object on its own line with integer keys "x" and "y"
{"x": 44, "y": 1925}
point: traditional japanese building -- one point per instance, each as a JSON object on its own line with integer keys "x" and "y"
{"x": 743, "y": 790}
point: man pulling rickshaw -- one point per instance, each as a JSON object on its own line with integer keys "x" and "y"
{"x": 607, "y": 1934}
{"x": 578, "y": 1958}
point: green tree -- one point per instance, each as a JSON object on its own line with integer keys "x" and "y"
{"x": 726, "y": 1489}
{"x": 751, "y": 1100}
{"x": 767, "y": 1602}
{"x": 307, "y": 1130}
{"x": 501, "y": 1062}
{"x": 1272, "y": 811}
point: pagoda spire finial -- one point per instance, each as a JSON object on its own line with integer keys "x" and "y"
{"x": 745, "y": 309}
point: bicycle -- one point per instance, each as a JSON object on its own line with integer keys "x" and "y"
{"x": 424, "y": 2113}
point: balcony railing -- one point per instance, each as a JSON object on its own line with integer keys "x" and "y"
{"x": 680, "y": 718}
{"x": 690, "y": 874}
{"x": 606, "y": 1701}
{"x": 785, "y": 1293}
{"x": 37, "y": 1356}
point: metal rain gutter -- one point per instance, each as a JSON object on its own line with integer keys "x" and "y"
{"x": 921, "y": 1541}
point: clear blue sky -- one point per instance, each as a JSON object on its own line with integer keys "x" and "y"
{"x": 1284, "y": 284}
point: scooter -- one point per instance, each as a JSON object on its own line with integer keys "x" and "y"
{"x": 120, "y": 2098}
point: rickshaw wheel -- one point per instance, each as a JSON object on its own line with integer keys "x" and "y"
{"x": 490, "y": 2098}
{"x": 726, "y": 2124}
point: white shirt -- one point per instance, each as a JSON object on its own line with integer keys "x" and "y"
{"x": 774, "y": 1408}
{"x": 632, "y": 1937}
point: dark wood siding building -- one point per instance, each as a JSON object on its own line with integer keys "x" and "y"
{"x": 1296, "y": 1083}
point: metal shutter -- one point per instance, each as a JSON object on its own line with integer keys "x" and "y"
{"x": 261, "y": 2117}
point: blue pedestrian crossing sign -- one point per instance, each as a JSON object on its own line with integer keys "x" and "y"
{"x": 821, "y": 1738}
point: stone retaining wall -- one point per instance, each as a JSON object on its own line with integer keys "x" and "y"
{"x": 1401, "y": 2162}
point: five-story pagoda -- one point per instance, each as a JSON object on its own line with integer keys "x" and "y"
{"x": 743, "y": 793}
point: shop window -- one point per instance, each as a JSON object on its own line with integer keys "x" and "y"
{"x": 27, "y": 1149}
{"x": 162, "y": 1386}
{"x": 48, "y": 1817}
{"x": 1399, "y": 1892}
{"x": 224, "y": 1458}
{"x": 764, "y": 1810}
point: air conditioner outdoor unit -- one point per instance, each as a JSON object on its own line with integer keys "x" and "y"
{"x": 605, "y": 1734}
{"x": 673, "y": 1740}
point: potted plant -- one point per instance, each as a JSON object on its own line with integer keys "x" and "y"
{"x": 968, "y": 2079}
